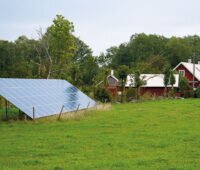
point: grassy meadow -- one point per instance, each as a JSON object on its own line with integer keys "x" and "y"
{"x": 149, "y": 135}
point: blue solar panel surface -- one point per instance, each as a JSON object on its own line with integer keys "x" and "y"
{"x": 46, "y": 96}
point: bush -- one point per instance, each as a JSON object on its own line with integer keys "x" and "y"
{"x": 130, "y": 94}
{"x": 13, "y": 114}
{"x": 197, "y": 92}
{"x": 171, "y": 93}
{"x": 2, "y": 102}
{"x": 89, "y": 90}
{"x": 188, "y": 94}
{"x": 184, "y": 87}
{"x": 147, "y": 96}
{"x": 86, "y": 89}
{"x": 102, "y": 95}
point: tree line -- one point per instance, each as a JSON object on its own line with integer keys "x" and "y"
{"x": 59, "y": 54}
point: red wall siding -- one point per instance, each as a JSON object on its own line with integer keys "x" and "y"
{"x": 113, "y": 90}
{"x": 188, "y": 75}
{"x": 158, "y": 91}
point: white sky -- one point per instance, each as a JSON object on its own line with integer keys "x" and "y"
{"x": 101, "y": 23}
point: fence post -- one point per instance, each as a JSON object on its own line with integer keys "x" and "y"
{"x": 77, "y": 108}
{"x": 33, "y": 114}
{"x": 60, "y": 112}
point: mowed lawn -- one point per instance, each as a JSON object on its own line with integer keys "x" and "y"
{"x": 150, "y": 135}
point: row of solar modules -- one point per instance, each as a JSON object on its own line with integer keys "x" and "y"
{"x": 47, "y": 97}
{"x": 40, "y": 105}
{"x": 14, "y": 83}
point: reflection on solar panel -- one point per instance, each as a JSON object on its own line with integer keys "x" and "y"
{"x": 47, "y": 97}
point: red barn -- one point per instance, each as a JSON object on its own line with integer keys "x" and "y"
{"x": 154, "y": 83}
{"x": 188, "y": 70}
{"x": 112, "y": 84}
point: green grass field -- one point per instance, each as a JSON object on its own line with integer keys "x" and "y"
{"x": 13, "y": 114}
{"x": 149, "y": 135}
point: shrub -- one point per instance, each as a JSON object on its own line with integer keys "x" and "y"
{"x": 188, "y": 94}
{"x": 171, "y": 93}
{"x": 197, "y": 92}
{"x": 89, "y": 90}
{"x": 185, "y": 88}
{"x": 102, "y": 95}
{"x": 131, "y": 94}
{"x": 2, "y": 102}
{"x": 148, "y": 96}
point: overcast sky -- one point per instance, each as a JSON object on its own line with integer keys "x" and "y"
{"x": 101, "y": 23}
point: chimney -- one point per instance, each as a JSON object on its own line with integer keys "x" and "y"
{"x": 189, "y": 60}
{"x": 112, "y": 72}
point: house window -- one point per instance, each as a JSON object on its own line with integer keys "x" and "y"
{"x": 182, "y": 72}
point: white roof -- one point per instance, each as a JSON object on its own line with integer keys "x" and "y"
{"x": 152, "y": 80}
{"x": 113, "y": 77}
{"x": 189, "y": 67}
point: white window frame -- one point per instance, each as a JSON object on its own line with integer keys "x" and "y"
{"x": 182, "y": 72}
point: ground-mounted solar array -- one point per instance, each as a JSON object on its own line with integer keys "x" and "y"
{"x": 43, "y": 97}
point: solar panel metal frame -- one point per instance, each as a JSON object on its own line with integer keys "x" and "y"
{"x": 44, "y": 97}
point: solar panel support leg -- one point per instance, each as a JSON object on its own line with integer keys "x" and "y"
{"x": 88, "y": 105}
{"x": 77, "y": 108}
{"x": 60, "y": 112}
{"x": 33, "y": 113}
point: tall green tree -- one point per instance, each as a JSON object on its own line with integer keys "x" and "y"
{"x": 61, "y": 45}
{"x": 177, "y": 51}
{"x": 166, "y": 80}
{"x": 89, "y": 69}
{"x": 138, "y": 82}
{"x": 184, "y": 85}
{"x": 172, "y": 81}
{"x": 154, "y": 65}
{"x": 123, "y": 72}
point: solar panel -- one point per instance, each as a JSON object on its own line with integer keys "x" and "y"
{"x": 46, "y": 96}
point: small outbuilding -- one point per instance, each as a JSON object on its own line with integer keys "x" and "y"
{"x": 112, "y": 84}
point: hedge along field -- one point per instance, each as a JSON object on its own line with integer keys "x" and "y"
{"x": 149, "y": 135}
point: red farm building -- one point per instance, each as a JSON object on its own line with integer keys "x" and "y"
{"x": 188, "y": 70}
{"x": 154, "y": 84}
{"x": 112, "y": 84}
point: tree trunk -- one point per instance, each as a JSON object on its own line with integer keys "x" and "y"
{"x": 40, "y": 62}
{"x": 50, "y": 64}
{"x": 49, "y": 70}
{"x": 165, "y": 91}
{"x": 138, "y": 93}
{"x": 173, "y": 95}
{"x": 122, "y": 95}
